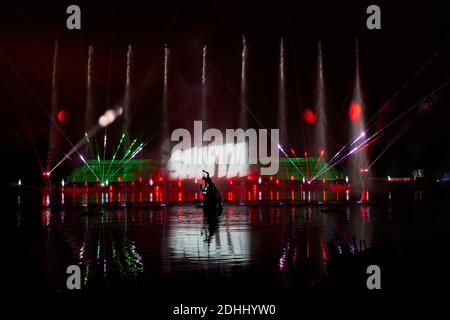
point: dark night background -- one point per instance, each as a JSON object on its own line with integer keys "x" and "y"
{"x": 412, "y": 33}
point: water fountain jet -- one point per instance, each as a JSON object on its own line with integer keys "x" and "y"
{"x": 281, "y": 120}
{"x": 54, "y": 135}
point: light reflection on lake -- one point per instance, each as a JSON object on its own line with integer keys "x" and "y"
{"x": 131, "y": 244}
{"x": 264, "y": 246}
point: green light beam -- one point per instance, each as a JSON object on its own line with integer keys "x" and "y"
{"x": 115, "y": 154}
{"x": 121, "y": 166}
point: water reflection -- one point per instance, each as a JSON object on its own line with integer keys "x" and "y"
{"x": 210, "y": 225}
{"x": 203, "y": 241}
{"x": 129, "y": 245}
{"x": 45, "y": 217}
{"x": 105, "y": 251}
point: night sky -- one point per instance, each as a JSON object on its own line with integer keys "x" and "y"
{"x": 413, "y": 33}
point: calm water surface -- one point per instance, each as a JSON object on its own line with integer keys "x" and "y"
{"x": 177, "y": 248}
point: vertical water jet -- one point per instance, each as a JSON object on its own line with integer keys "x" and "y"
{"x": 320, "y": 136}
{"x": 243, "y": 121}
{"x": 281, "y": 120}
{"x": 282, "y": 105}
{"x": 54, "y": 136}
{"x": 127, "y": 99}
{"x": 357, "y": 118}
{"x": 165, "y": 112}
{"x": 89, "y": 112}
{"x": 204, "y": 92}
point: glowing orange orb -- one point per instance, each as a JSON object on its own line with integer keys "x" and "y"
{"x": 63, "y": 116}
{"x": 309, "y": 116}
{"x": 354, "y": 112}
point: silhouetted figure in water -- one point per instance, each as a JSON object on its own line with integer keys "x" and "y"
{"x": 209, "y": 185}
{"x": 209, "y": 188}
{"x": 211, "y": 196}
